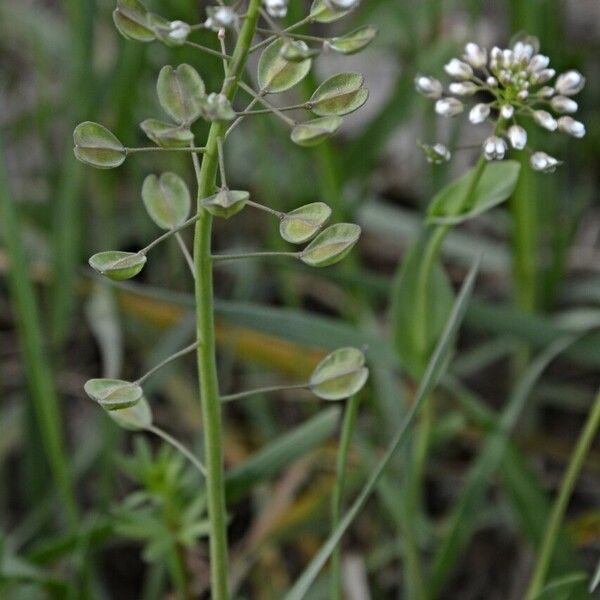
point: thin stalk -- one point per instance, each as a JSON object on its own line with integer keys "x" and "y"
{"x": 299, "y": 36}
{"x": 584, "y": 443}
{"x": 224, "y": 257}
{"x": 194, "y": 149}
{"x": 264, "y": 208}
{"x": 205, "y": 329}
{"x": 165, "y": 362}
{"x": 178, "y": 446}
{"x": 263, "y": 390}
{"x": 268, "y": 111}
{"x": 272, "y": 38}
{"x": 168, "y": 234}
{"x": 186, "y": 254}
{"x": 260, "y": 97}
{"x": 350, "y": 415}
{"x": 39, "y": 375}
{"x": 240, "y": 119}
{"x": 207, "y": 50}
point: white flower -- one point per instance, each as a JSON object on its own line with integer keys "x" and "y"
{"x": 563, "y": 104}
{"x": 544, "y": 119}
{"x": 523, "y": 51}
{"x": 538, "y": 62}
{"x": 494, "y": 148}
{"x": 459, "y": 69}
{"x": 220, "y": 17}
{"x": 178, "y": 31}
{"x": 479, "y": 113}
{"x": 428, "y": 86}
{"x": 570, "y": 83}
{"x": 475, "y": 55}
{"x": 517, "y": 137}
{"x": 507, "y": 111}
{"x": 572, "y": 127}
{"x": 276, "y": 8}
{"x": 540, "y": 161}
{"x": 463, "y": 88}
{"x": 449, "y": 107}
{"x": 436, "y": 154}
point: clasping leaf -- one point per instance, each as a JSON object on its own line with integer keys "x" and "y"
{"x": 167, "y": 199}
{"x": 113, "y": 394}
{"x": 302, "y": 224}
{"x": 118, "y": 265}
{"x": 339, "y": 95}
{"x": 339, "y": 375}
{"x": 276, "y": 73}
{"x": 331, "y": 245}
{"x": 181, "y": 93}
{"x": 315, "y": 131}
{"x": 226, "y": 203}
{"x": 97, "y": 146}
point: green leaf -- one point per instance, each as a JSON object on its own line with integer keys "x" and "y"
{"x": 135, "y": 418}
{"x": 322, "y": 13}
{"x": 113, "y": 394}
{"x": 181, "y": 93}
{"x": 497, "y": 183}
{"x": 563, "y": 588}
{"x": 331, "y": 245}
{"x": 167, "y": 199}
{"x": 97, "y": 146}
{"x": 275, "y": 73}
{"x": 339, "y": 375}
{"x": 118, "y": 265}
{"x": 133, "y": 21}
{"x": 226, "y": 203}
{"x": 312, "y": 133}
{"x": 339, "y": 95}
{"x": 355, "y": 41}
{"x": 167, "y": 135}
{"x": 302, "y": 224}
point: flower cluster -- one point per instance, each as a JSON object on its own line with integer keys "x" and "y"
{"x": 512, "y": 83}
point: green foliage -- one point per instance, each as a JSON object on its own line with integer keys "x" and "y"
{"x": 315, "y": 131}
{"x": 97, "y": 146}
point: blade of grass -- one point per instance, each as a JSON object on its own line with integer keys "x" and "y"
{"x": 39, "y": 375}
{"x": 430, "y": 378}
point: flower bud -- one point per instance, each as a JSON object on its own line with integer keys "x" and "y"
{"x": 544, "y": 119}
{"x": 538, "y": 62}
{"x": 517, "y": 137}
{"x": 570, "y": 83}
{"x": 475, "y": 55}
{"x": 494, "y": 148}
{"x": 523, "y": 95}
{"x": 448, "y": 107}
{"x": 507, "y": 58}
{"x": 428, "y": 86}
{"x": 479, "y": 113}
{"x": 495, "y": 57}
{"x": 436, "y": 154}
{"x": 463, "y": 88}
{"x": 563, "y": 104}
{"x": 543, "y": 76}
{"x": 178, "y": 31}
{"x": 571, "y": 127}
{"x": 276, "y": 8}
{"x": 540, "y": 161}
{"x": 492, "y": 81}
{"x": 507, "y": 111}
{"x": 546, "y": 92}
{"x": 523, "y": 51}
{"x": 459, "y": 69}
{"x": 220, "y": 17}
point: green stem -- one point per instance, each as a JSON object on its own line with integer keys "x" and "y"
{"x": 168, "y": 234}
{"x": 348, "y": 426}
{"x": 224, "y": 257}
{"x": 193, "y": 149}
{"x": 205, "y": 329}
{"x": 584, "y": 443}
{"x": 263, "y": 390}
{"x": 178, "y": 446}
{"x": 167, "y": 360}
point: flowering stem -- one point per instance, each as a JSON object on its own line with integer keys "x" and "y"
{"x": 584, "y": 443}
{"x": 205, "y": 329}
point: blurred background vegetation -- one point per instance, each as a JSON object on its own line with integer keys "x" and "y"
{"x": 89, "y": 512}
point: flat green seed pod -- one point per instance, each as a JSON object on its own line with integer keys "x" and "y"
{"x": 355, "y": 41}
{"x": 133, "y": 21}
{"x": 339, "y": 95}
{"x": 135, "y": 418}
{"x": 97, "y": 146}
{"x": 339, "y": 375}
{"x": 167, "y": 135}
{"x": 275, "y": 73}
{"x": 322, "y": 13}
{"x": 167, "y": 199}
{"x": 118, "y": 265}
{"x": 331, "y": 245}
{"x": 113, "y": 394}
{"x": 226, "y": 203}
{"x": 312, "y": 133}
{"x": 302, "y": 224}
{"x": 181, "y": 92}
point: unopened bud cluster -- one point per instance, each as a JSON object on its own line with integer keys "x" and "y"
{"x": 513, "y": 84}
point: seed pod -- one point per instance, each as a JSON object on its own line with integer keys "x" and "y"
{"x": 133, "y": 21}
{"x": 436, "y": 154}
{"x": 226, "y": 203}
{"x": 339, "y": 95}
{"x": 217, "y": 107}
{"x": 275, "y": 73}
{"x": 331, "y": 245}
{"x": 167, "y": 135}
{"x": 117, "y": 265}
{"x": 97, "y": 146}
{"x": 135, "y": 418}
{"x": 167, "y": 199}
{"x": 302, "y": 224}
{"x": 113, "y": 394}
{"x": 339, "y": 375}
{"x": 297, "y": 51}
{"x": 355, "y": 41}
{"x": 494, "y": 148}
{"x": 181, "y": 93}
{"x": 312, "y": 133}
{"x": 322, "y": 11}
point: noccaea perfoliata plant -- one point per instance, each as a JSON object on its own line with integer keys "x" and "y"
{"x": 286, "y": 57}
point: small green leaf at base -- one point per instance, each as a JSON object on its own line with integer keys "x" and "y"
{"x": 312, "y": 133}
{"x": 275, "y": 73}
{"x": 117, "y": 265}
{"x": 133, "y": 21}
{"x": 355, "y": 41}
{"x": 226, "y": 203}
{"x": 339, "y": 375}
{"x": 167, "y": 199}
{"x": 339, "y": 95}
{"x": 97, "y": 146}
{"x": 167, "y": 135}
{"x": 134, "y": 418}
{"x": 331, "y": 245}
{"x": 113, "y": 394}
{"x": 302, "y": 224}
{"x": 497, "y": 183}
{"x": 181, "y": 92}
